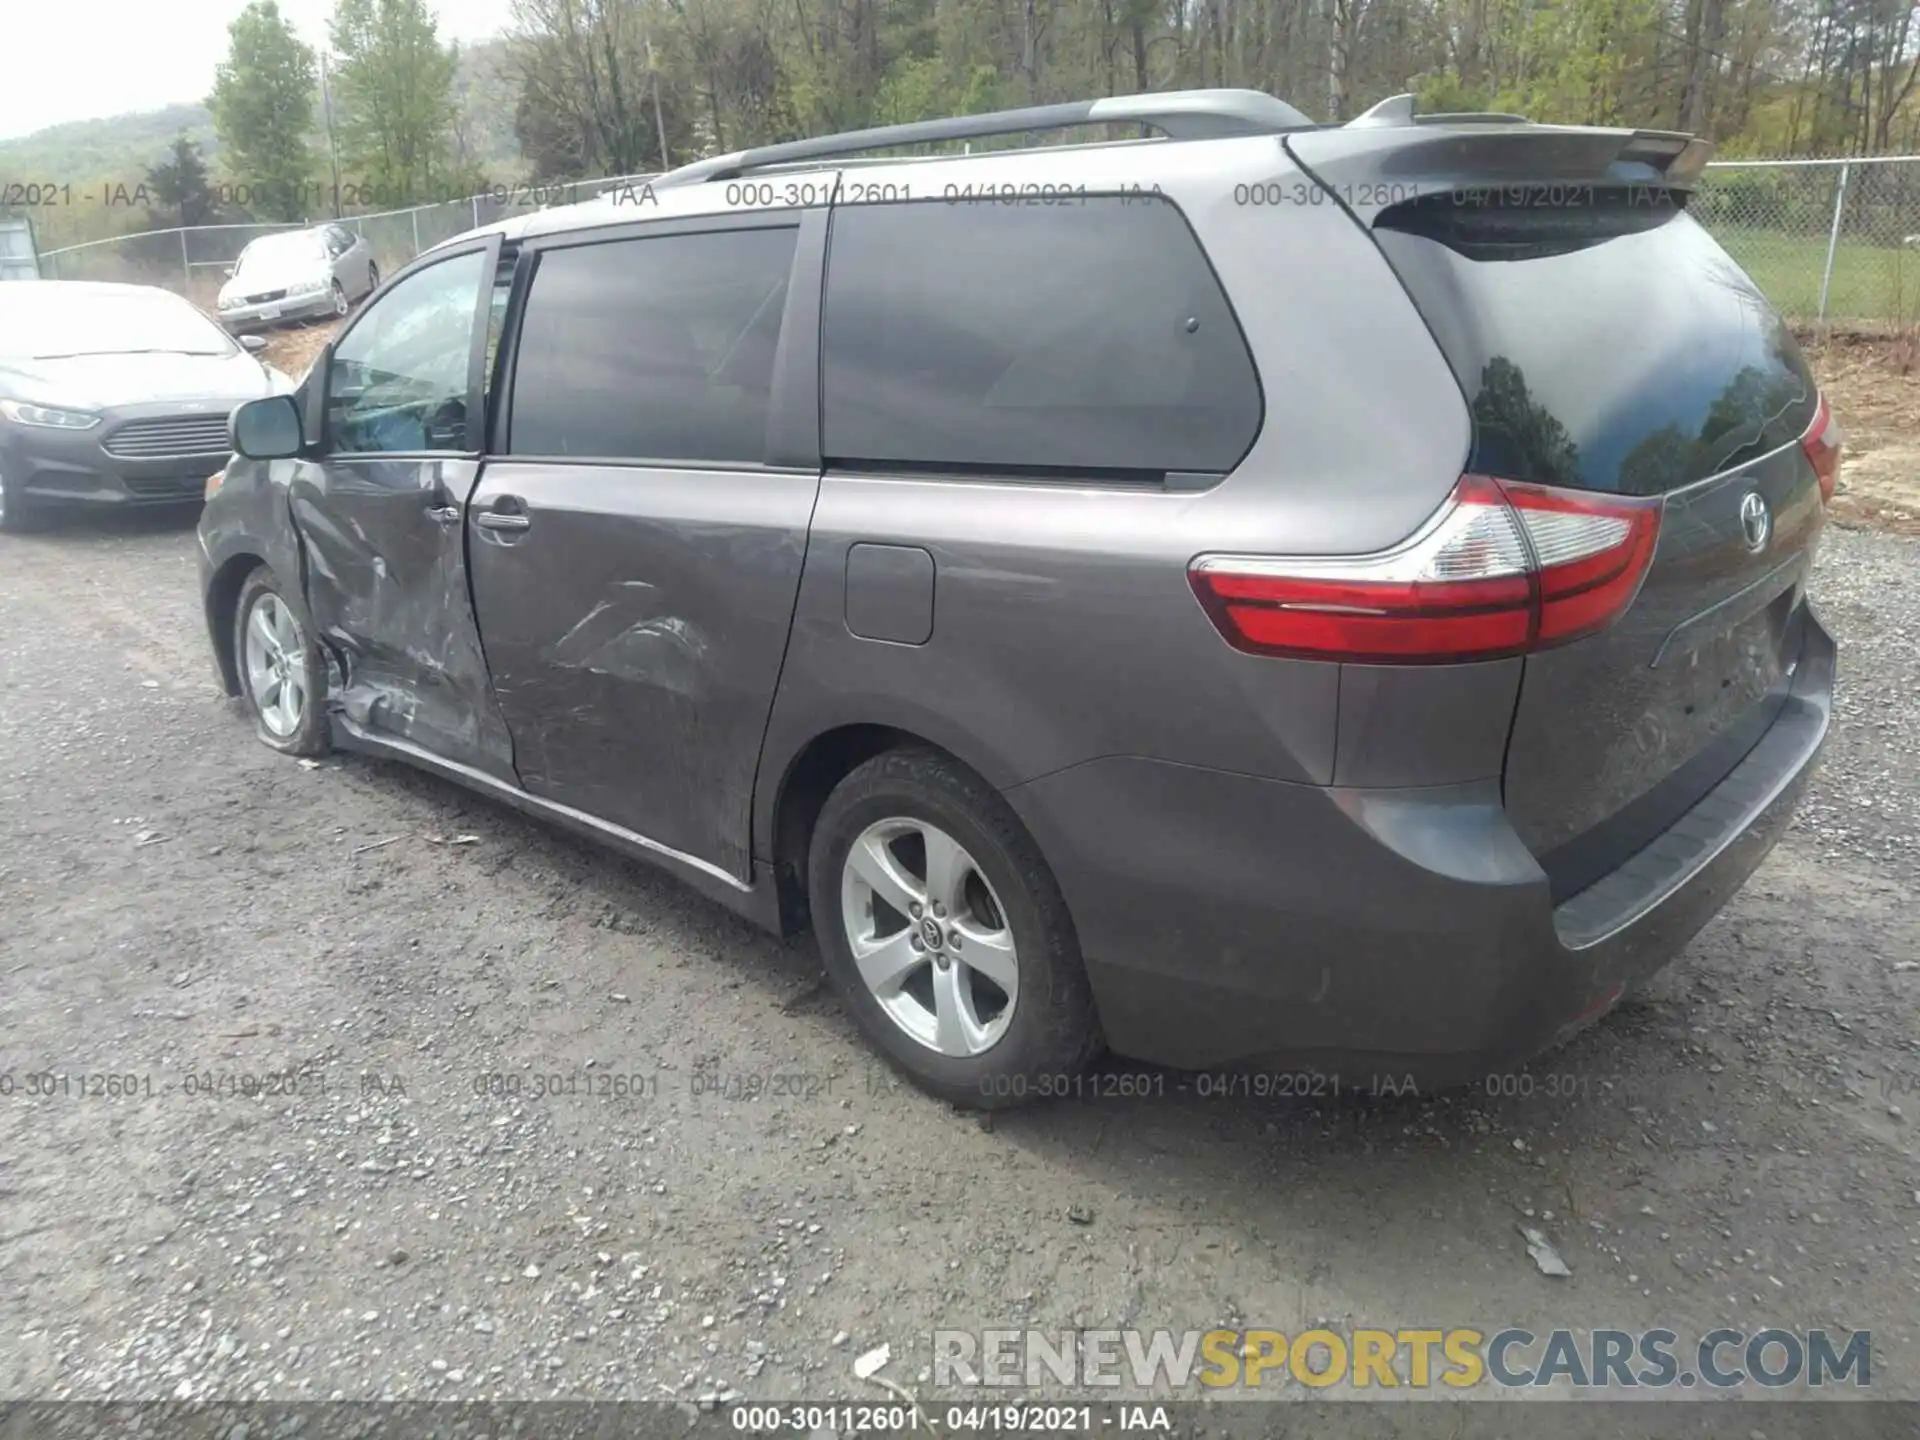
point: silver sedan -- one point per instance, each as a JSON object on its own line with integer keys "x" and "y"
{"x": 297, "y": 275}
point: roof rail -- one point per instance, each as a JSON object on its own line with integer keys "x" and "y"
{"x": 1177, "y": 114}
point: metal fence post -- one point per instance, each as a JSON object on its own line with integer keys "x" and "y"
{"x": 186, "y": 266}
{"x": 1833, "y": 238}
{"x": 476, "y": 212}
{"x": 416, "y": 231}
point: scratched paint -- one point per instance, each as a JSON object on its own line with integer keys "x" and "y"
{"x": 622, "y": 639}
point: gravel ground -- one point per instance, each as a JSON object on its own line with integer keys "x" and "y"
{"x": 746, "y": 1203}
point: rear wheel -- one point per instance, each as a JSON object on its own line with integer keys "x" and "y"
{"x": 373, "y": 277}
{"x": 946, "y": 935}
{"x": 282, "y": 675}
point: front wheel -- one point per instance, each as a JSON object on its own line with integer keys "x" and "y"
{"x": 341, "y": 305}
{"x": 282, "y": 673}
{"x": 946, "y": 934}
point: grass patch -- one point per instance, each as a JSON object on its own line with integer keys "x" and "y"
{"x": 1877, "y": 283}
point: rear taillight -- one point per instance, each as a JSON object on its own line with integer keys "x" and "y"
{"x": 1502, "y": 568}
{"x": 1822, "y": 444}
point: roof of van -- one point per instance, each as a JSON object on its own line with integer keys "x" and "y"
{"x": 1207, "y": 138}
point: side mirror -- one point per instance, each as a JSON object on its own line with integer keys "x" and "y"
{"x": 253, "y": 344}
{"x": 267, "y": 429}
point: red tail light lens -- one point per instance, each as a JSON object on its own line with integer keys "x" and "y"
{"x": 1501, "y": 569}
{"x": 1591, "y": 553}
{"x": 1822, "y": 444}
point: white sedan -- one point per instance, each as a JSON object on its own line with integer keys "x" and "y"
{"x": 297, "y": 275}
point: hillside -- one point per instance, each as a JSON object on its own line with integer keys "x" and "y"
{"x": 83, "y": 161}
{"x": 86, "y": 152}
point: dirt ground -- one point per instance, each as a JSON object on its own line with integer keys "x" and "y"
{"x": 1872, "y": 382}
{"x": 292, "y": 348}
{"x": 404, "y": 1218}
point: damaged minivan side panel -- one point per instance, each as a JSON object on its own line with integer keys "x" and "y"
{"x": 387, "y": 584}
{"x": 379, "y": 510}
{"x": 637, "y": 672}
{"x": 636, "y": 551}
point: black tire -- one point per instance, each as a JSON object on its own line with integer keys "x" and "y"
{"x": 373, "y": 277}
{"x": 341, "y": 305}
{"x": 311, "y": 736}
{"x": 1053, "y": 1033}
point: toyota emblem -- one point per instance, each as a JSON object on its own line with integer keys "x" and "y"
{"x": 1756, "y": 521}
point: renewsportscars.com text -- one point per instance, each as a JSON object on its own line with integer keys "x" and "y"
{"x": 1375, "y": 1360}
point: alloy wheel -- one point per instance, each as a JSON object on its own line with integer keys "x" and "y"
{"x": 276, "y": 665}
{"x": 340, "y": 305}
{"x": 929, "y": 936}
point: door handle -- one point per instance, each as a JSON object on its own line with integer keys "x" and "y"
{"x": 508, "y": 512}
{"x": 445, "y": 514}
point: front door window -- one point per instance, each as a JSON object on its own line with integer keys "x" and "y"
{"x": 399, "y": 381}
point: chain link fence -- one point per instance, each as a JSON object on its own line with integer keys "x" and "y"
{"x": 194, "y": 261}
{"x": 1826, "y": 240}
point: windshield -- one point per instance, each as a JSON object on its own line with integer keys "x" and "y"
{"x": 299, "y": 247}
{"x": 45, "y": 321}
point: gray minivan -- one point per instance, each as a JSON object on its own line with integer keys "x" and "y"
{"x": 1325, "y": 598}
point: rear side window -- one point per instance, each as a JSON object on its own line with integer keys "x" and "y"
{"x": 1601, "y": 347}
{"x": 1089, "y": 335}
{"x": 652, "y": 349}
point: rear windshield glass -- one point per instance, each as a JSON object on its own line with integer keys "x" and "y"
{"x": 1604, "y": 357}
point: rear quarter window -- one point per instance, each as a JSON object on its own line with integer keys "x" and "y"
{"x": 1085, "y": 335}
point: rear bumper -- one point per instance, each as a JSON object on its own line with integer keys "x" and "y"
{"x": 1377, "y": 935}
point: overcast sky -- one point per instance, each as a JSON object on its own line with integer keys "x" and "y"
{"x": 79, "y": 59}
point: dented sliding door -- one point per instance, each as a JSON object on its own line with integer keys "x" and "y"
{"x": 637, "y": 550}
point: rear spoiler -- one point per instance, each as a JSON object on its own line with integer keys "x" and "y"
{"x": 1383, "y": 160}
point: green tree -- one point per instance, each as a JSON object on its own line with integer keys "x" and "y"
{"x": 594, "y": 100}
{"x": 262, "y": 106}
{"x": 1661, "y": 460}
{"x": 179, "y": 182}
{"x": 393, "y": 88}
